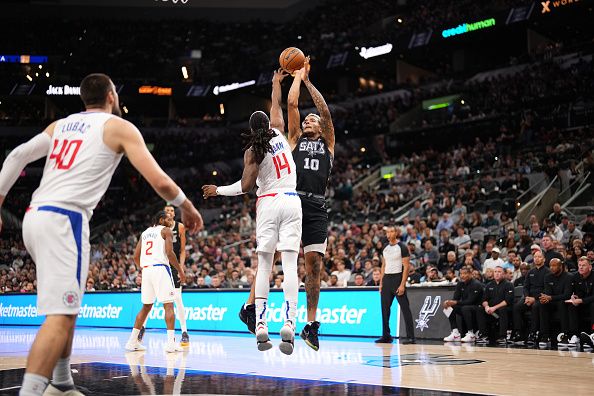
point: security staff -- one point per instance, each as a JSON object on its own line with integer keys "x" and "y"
{"x": 557, "y": 289}
{"x": 497, "y": 303}
{"x": 533, "y": 287}
{"x": 394, "y": 273}
{"x": 467, "y": 296}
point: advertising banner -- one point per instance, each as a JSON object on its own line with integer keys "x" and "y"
{"x": 345, "y": 312}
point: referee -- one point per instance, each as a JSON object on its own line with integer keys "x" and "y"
{"x": 395, "y": 265}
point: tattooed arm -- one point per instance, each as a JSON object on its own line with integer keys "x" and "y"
{"x": 322, "y": 107}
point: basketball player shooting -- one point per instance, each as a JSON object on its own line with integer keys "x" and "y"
{"x": 269, "y": 164}
{"x": 82, "y": 152}
{"x": 312, "y": 144}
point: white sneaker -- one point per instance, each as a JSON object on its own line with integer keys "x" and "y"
{"x": 287, "y": 334}
{"x": 469, "y": 337}
{"x": 574, "y": 341}
{"x": 135, "y": 346}
{"x": 262, "y": 338}
{"x": 53, "y": 391}
{"x": 454, "y": 336}
{"x": 172, "y": 347}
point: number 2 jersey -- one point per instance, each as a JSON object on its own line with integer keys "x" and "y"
{"x": 314, "y": 163}
{"x": 277, "y": 172}
{"x": 79, "y": 166}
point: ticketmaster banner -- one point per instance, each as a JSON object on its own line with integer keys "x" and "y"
{"x": 354, "y": 312}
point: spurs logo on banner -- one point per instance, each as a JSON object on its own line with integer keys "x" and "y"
{"x": 428, "y": 310}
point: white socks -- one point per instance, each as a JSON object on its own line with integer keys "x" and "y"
{"x": 181, "y": 311}
{"x": 171, "y": 336}
{"x": 33, "y": 385}
{"x": 134, "y": 335}
{"x": 263, "y": 284}
{"x": 290, "y": 284}
{"x": 62, "y": 375}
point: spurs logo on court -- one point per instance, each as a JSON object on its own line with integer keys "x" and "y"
{"x": 428, "y": 310}
{"x": 416, "y": 359}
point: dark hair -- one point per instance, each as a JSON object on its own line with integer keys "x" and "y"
{"x": 258, "y": 138}
{"x": 94, "y": 89}
{"x": 160, "y": 215}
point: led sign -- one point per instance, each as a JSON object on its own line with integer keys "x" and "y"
{"x": 375, "y": 51}
{"x": 468, "y": 27}
{"x": 152, "y": 90}
{"x": 23, "y": 59}
{"x": 62, "y": 90}
{"x": 230, "y": 87}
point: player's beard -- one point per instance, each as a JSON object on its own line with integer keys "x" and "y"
{"x": 116, "y": 111}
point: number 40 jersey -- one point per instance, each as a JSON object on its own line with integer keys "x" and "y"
{"x": 277, "y": 172}
{"x": 79, "y": 166}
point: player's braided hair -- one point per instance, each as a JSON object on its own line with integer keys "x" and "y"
{"x": 258, "y": 138}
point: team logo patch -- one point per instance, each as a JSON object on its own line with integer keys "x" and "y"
{"x": 70, "y": 299}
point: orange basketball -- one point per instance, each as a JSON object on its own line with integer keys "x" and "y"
{"x": 291, "y": 59}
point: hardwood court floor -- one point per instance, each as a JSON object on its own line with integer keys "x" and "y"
{"x": 231, "y": 364}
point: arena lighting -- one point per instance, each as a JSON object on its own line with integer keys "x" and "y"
{"x": 230, "y": 87}
{"x": 184, "y": 72}
{"x": 154, "y": 90}
{"x": 222, "y": 109}
{"x": 47, "y": 74}
{"x": 214, "y": 173}
{"x": 29, "y": 78}
{"x": 375, "y": 51}
{"x": 468, "y": 27}
{"x": 125, "y": 109}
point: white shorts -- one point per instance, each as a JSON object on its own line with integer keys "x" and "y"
{"x": 278, "y": 222}
{"x": 157, "y": 283}
{"x": 58, "y": 241}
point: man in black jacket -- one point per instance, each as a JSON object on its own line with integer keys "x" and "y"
{"x": 533, "y": 287}
{"x": 497, "y": 303}
{"x": 557, "y": 289}
{"x": 467, "y": 296}
{"x": 581, "y": 303}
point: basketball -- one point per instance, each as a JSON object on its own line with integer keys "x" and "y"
{"x": 291, "y": 59}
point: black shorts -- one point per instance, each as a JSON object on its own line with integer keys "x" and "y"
{"x": 315, "y": 224}
{"x": 175, "y": 276}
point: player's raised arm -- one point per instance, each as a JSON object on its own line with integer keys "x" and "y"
{"x": 123, "y": 136}
{"x": 36, "y": 148}
{"x": 276, "y": 112}
{"x": 293, "y": 116}
{"x": 167, "y": 234}
{"x": 325, "y": 116}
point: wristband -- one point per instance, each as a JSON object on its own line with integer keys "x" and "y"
{"x": 230, "y": 190}
{"x": 179, "y": 199}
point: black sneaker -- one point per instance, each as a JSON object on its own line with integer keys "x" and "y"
{"x": 310, "y": 335}
{"x": 532, "y": 338}
{"x": 383, "y": 340}
{"x": 141, "y": 334}
{"x": 247, "y": 314}
{"x": 407, "y": 341}
{"x": 516, "y": 338}
{"x": 562, "y": 340}
{"x": 501, "y": 341}
{"x": 482, "y": 340}
{"x": 587, "y": 340}
{"x": 185, "y": 339}
{"x": 544, "y": 342}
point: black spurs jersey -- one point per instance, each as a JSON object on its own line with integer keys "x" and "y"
{"x": 314, "y": 163}
{"x": 176, "y": 243}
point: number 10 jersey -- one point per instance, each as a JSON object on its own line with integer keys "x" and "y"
{"x": 314, "y": 163}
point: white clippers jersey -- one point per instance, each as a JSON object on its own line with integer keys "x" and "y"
{"x": 152, "y": 249}
{"x": 79, "y": 166}
{"x": 277, "y": 172}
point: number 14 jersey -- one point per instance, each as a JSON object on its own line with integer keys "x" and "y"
{"x": 79, "y": 166}
{"x": 276, "y": 172}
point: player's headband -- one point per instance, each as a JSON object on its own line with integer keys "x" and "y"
{"x": 317, "y": 117}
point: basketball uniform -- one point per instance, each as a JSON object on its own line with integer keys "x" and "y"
{"x": 77, "y": 172}
{"x": 177, "y": 251}
{"x": 314, "y": 163}
{"x": 278, "y": 209}
{"x": 157, "y": 281}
